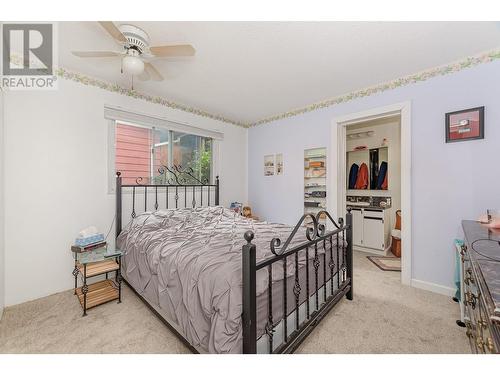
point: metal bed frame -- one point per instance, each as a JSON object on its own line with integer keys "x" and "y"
{"x": 176, "y": 179}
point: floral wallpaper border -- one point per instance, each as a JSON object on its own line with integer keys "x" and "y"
{"x": 400, "y": 82}
{"x": 88, "y": 81}
{"x": 414, "y": 78}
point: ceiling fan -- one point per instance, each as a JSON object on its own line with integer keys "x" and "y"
{"x": 137, "y": 51}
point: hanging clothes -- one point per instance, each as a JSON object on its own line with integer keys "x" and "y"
{"x": 382, "y": 176}
{"x": 353, "y": 175}
{"x": 362, "y": 179}
{"x": 384, "y": 184}
{"x": 373, "y": 169}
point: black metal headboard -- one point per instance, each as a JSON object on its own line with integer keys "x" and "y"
{"x": 171, "y": 179}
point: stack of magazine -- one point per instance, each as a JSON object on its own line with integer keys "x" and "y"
{"x": 93, "y": 252}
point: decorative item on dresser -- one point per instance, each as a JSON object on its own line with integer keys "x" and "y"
{"x": 304, "y": 273}
{"x": 480, "y": 256}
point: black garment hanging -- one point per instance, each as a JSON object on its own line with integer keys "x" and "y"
{"x": 353, "y": 175}
{"x": 381, "y": 175}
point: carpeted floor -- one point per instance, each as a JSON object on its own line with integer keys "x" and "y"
{"x": 384, "y": 317}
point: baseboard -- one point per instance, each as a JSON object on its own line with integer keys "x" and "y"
{"x": 431, "y": 287}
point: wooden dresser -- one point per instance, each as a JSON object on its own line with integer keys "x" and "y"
{"x": 481, "y": 287}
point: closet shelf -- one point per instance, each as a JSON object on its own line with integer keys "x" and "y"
{"x": 314, "y": 179}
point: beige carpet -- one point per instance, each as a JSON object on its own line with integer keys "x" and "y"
{"x": 385, "y": 317}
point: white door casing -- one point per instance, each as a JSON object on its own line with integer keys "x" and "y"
{"x": 337, "y": 188}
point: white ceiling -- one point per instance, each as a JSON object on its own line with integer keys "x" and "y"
{"x": 247, "y": 71}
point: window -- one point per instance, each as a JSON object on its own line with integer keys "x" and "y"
{"x": 192, "y": 151}
{"x": 141, "y": 150}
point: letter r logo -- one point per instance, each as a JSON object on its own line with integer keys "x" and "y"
{"x": 34, "y": 42}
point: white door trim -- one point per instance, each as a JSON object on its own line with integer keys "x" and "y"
{"x": 338, "y": 189}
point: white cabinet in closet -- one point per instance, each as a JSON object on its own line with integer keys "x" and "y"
{"x": 315, "y": 182}
{"x": 373, "y": 232}
{"x": 357, "y": 227}
{"x": 371, "y": 229}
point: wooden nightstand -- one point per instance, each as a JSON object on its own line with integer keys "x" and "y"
{"x": 102, "y": 291}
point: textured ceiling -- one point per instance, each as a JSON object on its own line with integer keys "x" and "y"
{"x": 247, "y": 71}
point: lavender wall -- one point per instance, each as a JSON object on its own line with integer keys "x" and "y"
{"x": 450, "y": 182}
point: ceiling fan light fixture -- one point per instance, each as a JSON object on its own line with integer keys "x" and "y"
{"x": 133, "y": 65}
{"x": 135, "y": 46}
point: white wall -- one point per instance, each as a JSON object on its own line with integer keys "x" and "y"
{"x": 57, "y": 179}
{"x": 2, "y": 248}
{"x": 450, "y": 182}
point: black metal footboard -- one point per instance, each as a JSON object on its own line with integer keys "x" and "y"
{"x": 311, "y": 302}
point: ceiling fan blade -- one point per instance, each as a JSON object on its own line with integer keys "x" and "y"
{"x": 152, "y": 72}
{"x": 95, "y": 53}
{"x": 144, "y": 76}
{"x": 173, "y": 51}
{"x": 112, "y": 30}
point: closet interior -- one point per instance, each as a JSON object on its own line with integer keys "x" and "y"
{"x": 373, "y": 182}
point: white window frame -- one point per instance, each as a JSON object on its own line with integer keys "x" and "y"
{"x": 117, "y": 114}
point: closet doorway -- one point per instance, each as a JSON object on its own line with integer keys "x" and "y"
{"x": 372, "y": 177}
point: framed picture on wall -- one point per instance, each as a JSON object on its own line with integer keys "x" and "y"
{"x": 269, "y": 165}
{"x": 465, "y": 125}
{"x": 279, "y": 164}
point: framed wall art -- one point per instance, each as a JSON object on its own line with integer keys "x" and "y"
{"x": 279, "y": 164}
{"x": 269, "y": 165}
{"x": 465, "y": 125}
